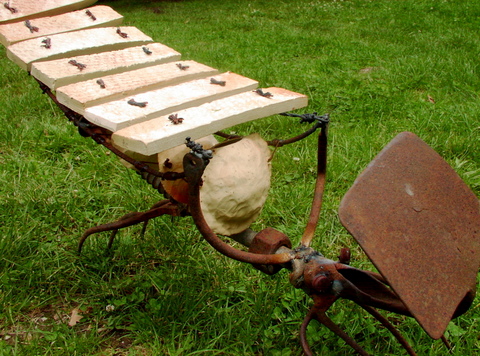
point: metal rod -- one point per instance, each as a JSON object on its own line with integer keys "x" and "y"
{"x": 194, "y": 167}
{"x": 446, "y": 343}
{"x": 390, "y": 327}
{"x": 279, "y": 142}
{"x": 225, "y": 135}
{"x": 102, "y": 136}
{"x": 322, "y": 318}
{"x": 165, "y": 207}
{"x": 319, "y": 188}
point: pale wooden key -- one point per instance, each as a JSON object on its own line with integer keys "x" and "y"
{"x": 119, "y": 114}
{"x": 79, "y": 96}
{"x": 96, "y": 16}
{"x": 161, "y": 133}
{"x": 15, "y": 10}
{"x": 60, "y": 72}
{"x": 75, "y": 43}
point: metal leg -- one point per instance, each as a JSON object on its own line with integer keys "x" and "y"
{"x": 164, "y": 207}
{"x": 321, "y": 317}
{"x": 390, "y": 328}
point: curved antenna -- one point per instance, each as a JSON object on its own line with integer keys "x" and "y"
{"x": 373, "y": 312}
{"x": 194, "y": 166}
{"x": 322, "y": 318}
{"x": 319, "y": 187}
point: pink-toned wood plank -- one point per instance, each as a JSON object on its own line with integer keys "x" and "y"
{"x": 68, "y": 44}
{"x": 119, "y": 114}
{"x": 59, "y": 72}
{"x": 71, "y": 21}
{"x": 27, "y": 9}
{"x": 81, "y": 95}
{"x": 160, "y": 134}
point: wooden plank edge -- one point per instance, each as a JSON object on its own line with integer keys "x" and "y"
{"x": 66, "y": 95}
{"x": 9, "y": 17}
{"x": 41, "y": 23}
{"x": 210, "y": 123}
{"x": 78, "y": 76}
{"x": 26, "y": 65}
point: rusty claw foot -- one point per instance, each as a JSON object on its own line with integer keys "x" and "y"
{"x": 317, "y": 312}
{"x": 164, "y": 207}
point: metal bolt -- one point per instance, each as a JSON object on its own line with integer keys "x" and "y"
{"x": 344, "y": 256}
{"x": 321, "y": 283}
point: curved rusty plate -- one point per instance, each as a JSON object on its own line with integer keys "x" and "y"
{"x": 420, "y": 225}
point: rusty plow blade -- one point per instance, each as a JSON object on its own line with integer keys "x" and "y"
{"x": 419, "y": 224}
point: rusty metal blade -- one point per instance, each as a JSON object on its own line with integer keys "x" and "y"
{"x": 419, "y": 223}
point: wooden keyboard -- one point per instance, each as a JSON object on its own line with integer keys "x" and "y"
{"x": 120, "y": 79}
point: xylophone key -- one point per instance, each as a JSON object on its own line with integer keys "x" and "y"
{"x": 160, "y": 134}
{"x": 79, "y": 96}
{"x": 74, "y": 43}
{"x": 47, "y": 26}
{"x": 119, "y": 114}
{"x": 59, "y": 72}
{"x": 16, "y": 10}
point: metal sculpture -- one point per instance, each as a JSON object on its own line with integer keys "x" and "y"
{"x": 408, "y": 163}
{"x": 415, "y": 218}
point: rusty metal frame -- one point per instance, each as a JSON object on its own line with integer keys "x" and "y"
{"x": 324, "y": 280}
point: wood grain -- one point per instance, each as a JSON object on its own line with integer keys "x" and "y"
{"x": 81, "y": 95}
{"x": 119, "y": 114}
{"x": 70, "y": 21}
{"x": 160, "y": 134}
{"x": 59, "y": 72}
{"x": 28, "y": 9}
{"x": 74, "y": 43}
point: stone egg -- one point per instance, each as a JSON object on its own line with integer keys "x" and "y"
{"x": 235, "y": 183}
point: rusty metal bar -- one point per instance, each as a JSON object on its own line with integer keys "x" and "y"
{"x": 279, "y": 142}
{"x": 103, "y": 137}
{"x": 319, "y": 188}
{"x": 373, "y": 312}
{"x": 323, "y": 319}
{"x": 194, "y": 167}
{"x": 164, "y": 207}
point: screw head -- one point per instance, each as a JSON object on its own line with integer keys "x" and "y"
{"x": 321, "y": 283}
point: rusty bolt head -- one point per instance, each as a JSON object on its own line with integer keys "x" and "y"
{"x": 321, "y": 283}
{"x": 268, "y": 241}
{"x": 344, "y": 256}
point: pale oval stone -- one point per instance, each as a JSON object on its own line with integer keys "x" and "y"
{"x": 235, "y": 183}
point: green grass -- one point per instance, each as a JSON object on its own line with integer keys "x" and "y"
{"x": 378, "y": 67}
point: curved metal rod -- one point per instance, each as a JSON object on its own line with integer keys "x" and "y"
{"x": 446, "y": 343}
{"x": 193, "y": 168}
{"x": 102, "y": 136}
{"x": 226, "y": 136}
{"x": 303, "y": 332}
{"x": 373, "y": 312}
{"x": 164, "y": 207}
{"x": 279, "y": 142}
{"x": 323, "y": 319}
{"x": 319, "y": 188}
{"x": 114, "y": 234}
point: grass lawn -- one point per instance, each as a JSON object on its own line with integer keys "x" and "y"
{"x": 378, "y": 67}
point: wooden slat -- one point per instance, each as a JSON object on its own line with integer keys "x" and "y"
{"x": 160, "y": 134}
{"x": 74, "y": 43}
{"x": 28, "y": 9}
{"x": 59, "y": 72}
{"x": 71, "y": 21}
{"x": 119, "y": 114}
{"x": 81, "y": 95}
